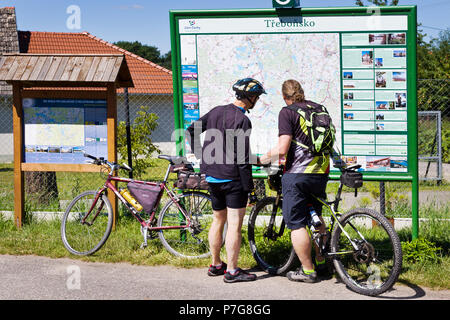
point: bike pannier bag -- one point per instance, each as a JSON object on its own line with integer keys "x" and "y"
{"x": 191, "y": 180}
{"x": 147, "y": 195}
{"x": 352, "y": 179}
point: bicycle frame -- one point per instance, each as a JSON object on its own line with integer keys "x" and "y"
{"x": 145, "y": 224}
{"x": 333, "y": 208}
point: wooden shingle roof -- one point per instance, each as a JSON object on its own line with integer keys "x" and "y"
{"x": 148, "y": 77}
{"x": 65, "y": 70}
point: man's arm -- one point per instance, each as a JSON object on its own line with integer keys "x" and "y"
{"x": 284, "y": 142}
{"x": 193, "y": 133}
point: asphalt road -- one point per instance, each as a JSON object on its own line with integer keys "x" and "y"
{"x": 41, "y": 278}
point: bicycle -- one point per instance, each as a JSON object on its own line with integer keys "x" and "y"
{"x": 362, "y": 245}
{"x": 182, "y": 225}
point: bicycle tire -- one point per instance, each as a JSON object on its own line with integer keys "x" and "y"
{"x": 376, "y": 265}
{"x": 84, "y": 239}
{"x": 274, "y": 256}
{"x": 186, "y": 243}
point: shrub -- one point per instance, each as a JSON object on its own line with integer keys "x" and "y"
{"x": 420, "y": 250}
{"x": 142, "y": 147}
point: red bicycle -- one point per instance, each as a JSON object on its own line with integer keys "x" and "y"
{"x": 182, "y": 225}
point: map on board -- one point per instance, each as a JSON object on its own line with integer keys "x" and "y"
{"x": 61, "y": 130}
{"x": 358, "y": 74}
{"x": 312, "y": 59}
{"x": 54, "y": 126}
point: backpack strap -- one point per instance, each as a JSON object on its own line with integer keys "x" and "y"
{"x": 304, "y": 123}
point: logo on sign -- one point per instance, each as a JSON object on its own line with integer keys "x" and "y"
{"x": 192, "y": 26}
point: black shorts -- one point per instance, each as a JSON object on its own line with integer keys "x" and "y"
{"x": 297, "y": 191}
{"x": 228, "y": 195}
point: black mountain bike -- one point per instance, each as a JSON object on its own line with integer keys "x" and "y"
{"x": 360, "y": 244}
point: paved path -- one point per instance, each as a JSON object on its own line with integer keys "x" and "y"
{"x": 41, "y": 278}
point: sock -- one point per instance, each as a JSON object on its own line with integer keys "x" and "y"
{"x": 233, "y": 271}
{"x": 320, "y": 262}
{"x": 218, "y": 266}
{"x": 308, "y": 271}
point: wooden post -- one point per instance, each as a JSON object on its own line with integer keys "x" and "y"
{"x": 111, "y": 103}
{"x": 19, "y": 195}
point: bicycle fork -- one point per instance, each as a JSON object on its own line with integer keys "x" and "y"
{"x": 269, "y": 233}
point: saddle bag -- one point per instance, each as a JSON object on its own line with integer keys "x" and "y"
{"x": 147, "y": 195}
{"x": 191, "y": 180}
{"x": 352, "y": 179}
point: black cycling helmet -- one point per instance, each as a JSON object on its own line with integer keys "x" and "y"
{"x": 248, "y": 87}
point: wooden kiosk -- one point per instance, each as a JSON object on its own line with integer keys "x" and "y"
{"x": 61, "y": 76}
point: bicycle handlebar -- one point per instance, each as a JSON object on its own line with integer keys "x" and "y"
{"x": 101, "y": 161}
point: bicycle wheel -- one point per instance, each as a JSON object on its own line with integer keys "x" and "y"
{"x": 375, "y": 264}
{"x": 84, "y": 238}
{"x": 271, "y": 246}
{"x": 187, "y": 242}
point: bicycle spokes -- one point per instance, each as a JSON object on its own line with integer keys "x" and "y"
{"x": 365, "y": 252}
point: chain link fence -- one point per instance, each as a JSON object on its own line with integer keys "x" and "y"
{"x": 434, "y": 130}
{"x": 433, "y": 96}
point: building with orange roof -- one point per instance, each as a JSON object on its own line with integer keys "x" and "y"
{"x": 152, "y": 83}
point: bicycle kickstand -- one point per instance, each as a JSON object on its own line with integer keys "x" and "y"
{"x": 145, "y": 233}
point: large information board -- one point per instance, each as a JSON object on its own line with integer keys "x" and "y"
{"x": 61, "y": 130}
{"x": 358, "y": 62}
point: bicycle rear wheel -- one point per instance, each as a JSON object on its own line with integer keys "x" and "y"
{"x": 85, "y": 238}
{"x": 374, "y": 266}
{"x": 271, "y": 245}
{"x": 187, "y": 242}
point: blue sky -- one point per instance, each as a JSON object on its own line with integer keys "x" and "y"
{"x": 147, "y": 21}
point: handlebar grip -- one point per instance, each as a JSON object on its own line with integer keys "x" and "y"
{"x": 353, "y": 167}
{"x": 90, "y": 157}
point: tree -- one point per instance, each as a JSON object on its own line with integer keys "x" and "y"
{"x": 378, "y": 2}
{"x": 150, "y": 53}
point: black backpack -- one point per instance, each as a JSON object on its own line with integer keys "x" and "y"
{"x": 316, "y": 123}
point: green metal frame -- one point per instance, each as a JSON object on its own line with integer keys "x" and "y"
{"x": 411, "y": 45}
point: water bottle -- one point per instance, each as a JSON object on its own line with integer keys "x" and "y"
{"x": 315, "y": 220}
{"x": 130, "y": 199}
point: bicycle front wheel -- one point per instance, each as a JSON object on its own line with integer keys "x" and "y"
{"x": 270, "y": 244}
{"x": 178, "y": 238}
{"x": 87, "y": 223}
{"x": 367, "y": 252}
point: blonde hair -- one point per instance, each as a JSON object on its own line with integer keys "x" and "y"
{"x": 292, "y": 90}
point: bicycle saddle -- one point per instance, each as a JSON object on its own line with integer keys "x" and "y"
{"x": 173, "y": 159}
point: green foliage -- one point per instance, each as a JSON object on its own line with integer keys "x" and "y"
{"x": 420, "y": 250}
{"x": 379, "y": 2}
{"x": 150, "y": 53}
{"x": 142, "y": 147}
{"x": 446, "y": 146}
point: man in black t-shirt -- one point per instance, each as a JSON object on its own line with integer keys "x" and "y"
{"x": 225, "y": 159}
{"x": 305, "y": 175}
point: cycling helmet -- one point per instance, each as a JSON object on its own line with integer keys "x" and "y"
{"x": 248, "y": 87}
